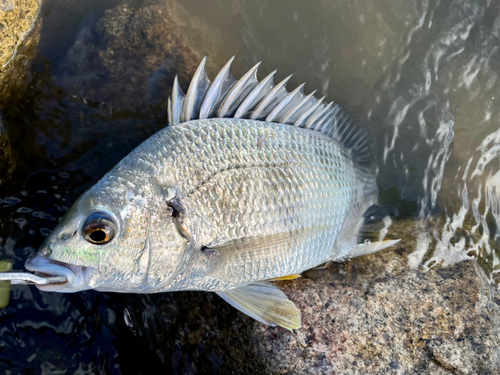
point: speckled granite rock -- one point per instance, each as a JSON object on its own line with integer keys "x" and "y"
{"x": 379, "y": 317}
{"x": 129, "y": 57}
{"x": 372, "y": 315}
{"x": 20, "y": 25}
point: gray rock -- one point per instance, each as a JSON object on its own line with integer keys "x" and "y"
{"x": 377, "y": 316}
{"x": 129, "y": 57}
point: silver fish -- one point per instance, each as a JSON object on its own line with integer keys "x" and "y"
{"x": 249, "y": 183}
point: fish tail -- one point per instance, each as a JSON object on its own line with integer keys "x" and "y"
{"x": 368, "y": 235}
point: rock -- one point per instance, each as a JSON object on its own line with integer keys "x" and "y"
{"x": 20, "y": 25}
{"x": 6, "y": 164}
{"x": 377, "y": 316}
{"x": 129, "y": 57}
{"x": 372, "y": 315}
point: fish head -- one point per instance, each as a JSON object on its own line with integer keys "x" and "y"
{"x": 103, "y": 241}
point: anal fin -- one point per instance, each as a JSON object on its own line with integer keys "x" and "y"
{"x": 244, "y": 250}
{"x": 288, "y": 277}
{"x": 265, "y": 303}
{"x": 374, "y": 227}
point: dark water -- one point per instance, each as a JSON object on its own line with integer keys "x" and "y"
{"x": 423, "y": 73}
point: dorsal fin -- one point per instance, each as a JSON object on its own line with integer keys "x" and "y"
{"x": 227, "y": 97}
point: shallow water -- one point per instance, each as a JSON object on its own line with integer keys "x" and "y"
{"x": 423, "y": 74}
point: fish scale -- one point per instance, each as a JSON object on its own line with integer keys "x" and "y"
{"x": 316, "y": 179}
{"x": 276, "y": 186}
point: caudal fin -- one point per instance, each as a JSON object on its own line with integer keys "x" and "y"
{"x": 371, "y": 247}
{"x": 371, "y": 236}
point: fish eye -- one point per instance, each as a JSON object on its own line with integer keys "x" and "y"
{"x": 99, "y": 229}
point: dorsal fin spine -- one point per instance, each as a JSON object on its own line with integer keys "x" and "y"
{"x": 169, "y": 107}
{"x": 291, "y": 100}
{"x": 315, "y": 119}
{"x": 294, "y": 113}
{"x": 217, "y": 91}
{"x": 177, "y": 103}
{"x": 302, "y": 120}
{"x": 275, "y": 96}
{"x": 196, "y": 92}
{"x": 255, "y": 96}
{"x": 238, "y": 92}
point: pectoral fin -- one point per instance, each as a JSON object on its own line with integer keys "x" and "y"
{"x": 245, "y": 250}
{"x": 255, "y": 244}
{"x": 265, "y": 303}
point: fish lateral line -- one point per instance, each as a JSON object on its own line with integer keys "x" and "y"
{"x": 256, "y": 166}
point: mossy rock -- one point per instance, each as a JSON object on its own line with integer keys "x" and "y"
{"x": 20, "y": 25}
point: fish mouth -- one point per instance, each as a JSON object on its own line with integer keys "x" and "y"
{"x": 76, "y": 276}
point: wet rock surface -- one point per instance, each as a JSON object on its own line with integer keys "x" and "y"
{"x": 5, "y": 152}
{"x": 371, "y": 315}
{"x": 129, "y": 57}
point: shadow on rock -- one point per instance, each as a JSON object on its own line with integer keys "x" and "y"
{"x": 129, "y": 57}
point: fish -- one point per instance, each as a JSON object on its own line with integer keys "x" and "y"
{"x": 248, "y": 184}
